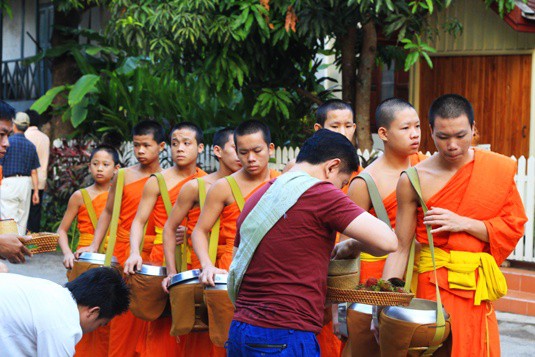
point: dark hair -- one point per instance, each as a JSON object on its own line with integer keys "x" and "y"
{"x": 252, "y": 127}
{"x": 149, "y": 127}
{"x": 326, "y": 145}
{"x": 222, "y": 136}
{"x": 34, "y": 117}
{"x": 7, "y": 112}
{"x": 330, "y": 105}
{"x": 190, "y": 126}
{"x": 450, "y": 106}
{"x": 101, "y": 287}
{"x": 109, "y": 149}
{"x": 387, "y": 110}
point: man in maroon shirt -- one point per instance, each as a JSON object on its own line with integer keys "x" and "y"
{"x": 279, "y": 305}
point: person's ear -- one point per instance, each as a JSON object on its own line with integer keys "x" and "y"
{"x": 217, "y": 151}
{"x": 317, "y": 127}
{"x": 271, "y": 149}
{"x": 332, "y": 167}
{"x": 200, "y": 148}
{"x": 92, "y": 313}
{"x": 162, "y": 146}
{"x": 383, "y": 133}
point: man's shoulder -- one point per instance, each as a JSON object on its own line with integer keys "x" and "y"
{"x": 493, "y": 158}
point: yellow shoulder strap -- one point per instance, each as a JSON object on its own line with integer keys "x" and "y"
{"x": 236, "y": 192}
{"x": 164, "y": 192}
{"x": 117, "y": 201}
{"x": 214, "y": 233}
{"x": 89, "y": 206}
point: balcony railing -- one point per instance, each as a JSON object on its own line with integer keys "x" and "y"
{"x": 24, "y": 81}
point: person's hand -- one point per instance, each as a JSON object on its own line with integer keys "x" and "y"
{"x": 35, "y": 197}
{"x": 3, "y": 268}
{"x": 347, "y": 249}
{"x": 133, "y": 263}
{"x": 444, "y": 220}
{"x": 68, "y": 260}
{"x": 208, "y": 273}
{"x": 13, "y": 249}
{"x": 165, "y": 283}
{"x": 88, "y": 249}
{"x": 180, "y": 234}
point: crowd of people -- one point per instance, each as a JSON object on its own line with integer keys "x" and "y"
{"x": 276, "y": 234}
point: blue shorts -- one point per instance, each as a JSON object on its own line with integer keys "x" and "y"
{"x": 247, "y": 340}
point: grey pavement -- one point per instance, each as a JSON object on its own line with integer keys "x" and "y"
{"x": 517, "y": 332}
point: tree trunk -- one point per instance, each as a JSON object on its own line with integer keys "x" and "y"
{"x": 364, "y": 84}
{"x": 349, "y": 64}
{"x": 64, "y": 69}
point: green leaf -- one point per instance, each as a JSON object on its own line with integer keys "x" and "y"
{"x": 44, "y": 102}
{"x": 79, "y": 113}
{"x": 430, "y": 5}
{"x": 84, "y": 85}
{"x": 427, "y": 59}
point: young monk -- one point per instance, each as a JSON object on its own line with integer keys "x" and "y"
{"x": 103, "y": 165}
{"x": 399, "y": 129}
{"x": 149, "y": 141}
{"x": 187, "y": 208}
{"x": 476, "y": 216}
{"x": 338, "y": 116}
{"x": 186, "y": 145}
{"x": 253, "y": 145}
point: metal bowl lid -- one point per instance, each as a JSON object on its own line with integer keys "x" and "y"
{"x": 97, "y": 258}
{"x": 365, "y": 309}
{"x": 185, "y": 277}
{"x": 419, "y": 311}
{"x": 220, "y": 281}
{"x": 153, "y": 270}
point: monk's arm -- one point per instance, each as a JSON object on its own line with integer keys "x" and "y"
{"x": 508, "y": 227}
{"x": 213, "y": 206}
{"x": 448, "y": 221}
{"x": 103, "y": 221}
{"x": 358, "y": 193}
{"x": 185, "y": 201}
{"x": 151, "y": 191}
{"x": 396, "y": 262}
{"x": 70, "y": 214}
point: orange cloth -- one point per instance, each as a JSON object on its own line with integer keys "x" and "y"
{"x": 126, "y": 330}
{"x": 330, "y": 345}
{"x": 229, "y": 216}
{"x": 92, "y": 344}
{"x": 483, "y": 189}
{"x": 375, "y": 269}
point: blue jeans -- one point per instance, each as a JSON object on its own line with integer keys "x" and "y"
{"x": 247, "y": 340}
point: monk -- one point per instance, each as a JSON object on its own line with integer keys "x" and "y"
{"x": 149, "y": 141}
{"x": 399, "y": 129}
{"x": 103, "y": 165}
{"x": 187, "y": 207}
{"x": 253, "y": 146}
{"x": 186, "y": 145}
{"x": 476, "y": 216}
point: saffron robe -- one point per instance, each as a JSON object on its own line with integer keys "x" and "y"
{"x": 483, "y": 189}
{"x": 92, "y": 344}
{"x": 126, "y": 330}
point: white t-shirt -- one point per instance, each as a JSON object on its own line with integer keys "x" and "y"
{"x": 37, "y": 318}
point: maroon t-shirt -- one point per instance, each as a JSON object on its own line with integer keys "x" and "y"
{"x": 286, "y": 282}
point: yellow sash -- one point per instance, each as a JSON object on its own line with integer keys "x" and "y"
{"x": 462, "y": 266}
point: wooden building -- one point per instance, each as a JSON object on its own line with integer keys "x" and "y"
{"x": 491, "y": 64}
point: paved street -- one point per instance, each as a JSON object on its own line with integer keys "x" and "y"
{"x": 517, "y": 331}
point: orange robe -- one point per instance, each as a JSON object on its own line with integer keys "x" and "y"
{"x": 126, "y": 330}
{"x": 375, "y": 269}
{"x": 159, "y": 342}
{"x": 92, "y": 344}
{"x": 483, "y": 189}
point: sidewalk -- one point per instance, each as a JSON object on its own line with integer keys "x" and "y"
{"x": 517, "y": 332}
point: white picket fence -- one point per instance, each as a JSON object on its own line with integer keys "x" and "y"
{"x": 525, "y": 181}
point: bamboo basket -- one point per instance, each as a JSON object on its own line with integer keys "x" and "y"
{"x": 379, "y": 298}
{"x": 42, "y": 242}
